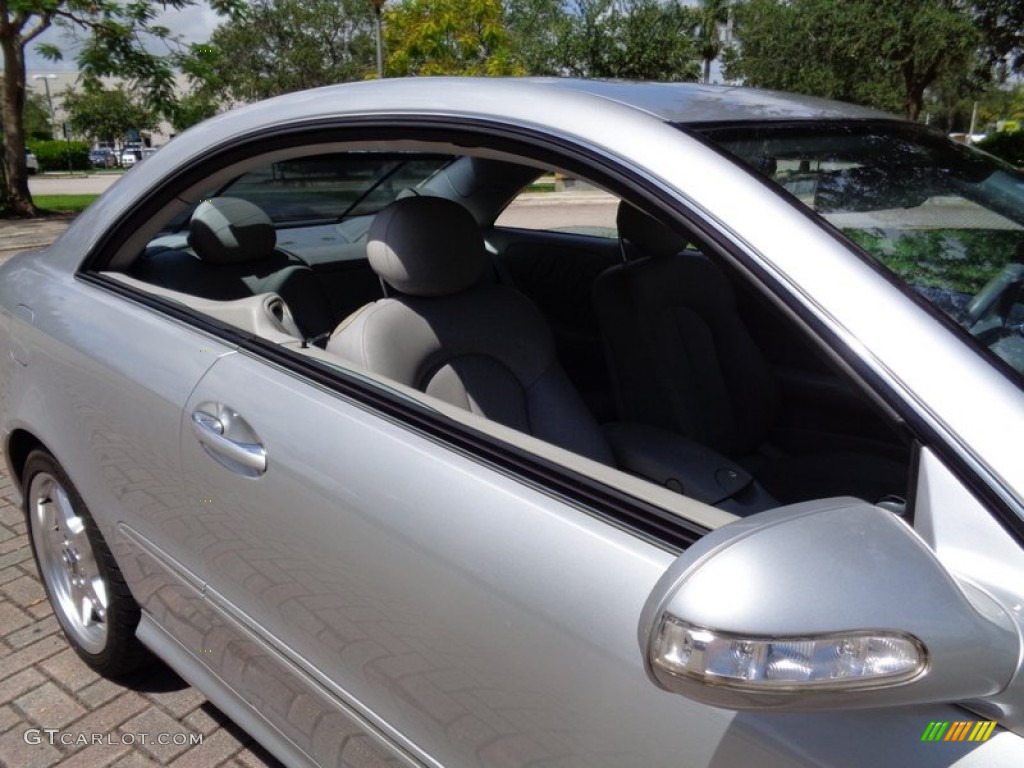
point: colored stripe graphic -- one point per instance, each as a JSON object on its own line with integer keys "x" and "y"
{"x": 982, "y": 731}
{"x": 960, "y": 730}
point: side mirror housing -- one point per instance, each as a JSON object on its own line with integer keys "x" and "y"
{"x": 831, "y": 604}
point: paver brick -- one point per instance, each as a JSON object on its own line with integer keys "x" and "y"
{"x": 49, "y": 707}
{"x": 96, "y": 756}
{"x": 108, "y": 717}
{"x": 17, "y": 752}
{"x": 25, "y": 591}
{"x": 12, "y": 618}
{"x": 215, "y": 749}
{"x": 157, "y": 724}
{"x": 15, "y": 685}
{"x": 34, "y": 631}
{"x": 69, "y": 671}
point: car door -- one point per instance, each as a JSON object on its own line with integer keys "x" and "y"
{"x": 454, "y": 613}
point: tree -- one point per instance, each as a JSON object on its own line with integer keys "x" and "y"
{"x": 281, "y": 46}
{"x": 37, "y": 117}
{"x": 107, "y": 115}
{"x": 448, "y": 37}
{"x": 536, "y": 30}
{"x": 1001, "y": 23}
{"x": 192, "y": 108}
{"x": 630, "y": 39}
{"x": 884, "y": 53}
{"x": 709, "y": 15}
{"x": 114, "y": 43}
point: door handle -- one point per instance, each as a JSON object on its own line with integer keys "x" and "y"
{"x": 217, "y": 434}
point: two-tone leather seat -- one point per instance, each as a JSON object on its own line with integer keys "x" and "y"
{"x": 452, "y": 333}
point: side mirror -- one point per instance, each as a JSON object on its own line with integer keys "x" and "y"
{"x": 831, "y": 604}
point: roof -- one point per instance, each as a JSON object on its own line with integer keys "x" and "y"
{"x": 698, "y": 103}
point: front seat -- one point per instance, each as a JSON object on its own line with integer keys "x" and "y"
{"x": 681, "y": 358}
{"x": 236, "y": 256}
{"x": 450, "y": 332}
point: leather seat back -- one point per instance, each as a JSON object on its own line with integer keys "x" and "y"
{"x": 679, "y": 355}
{"x": 471, "y": 343}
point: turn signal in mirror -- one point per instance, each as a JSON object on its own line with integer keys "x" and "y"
{"x": 847, "y": 660}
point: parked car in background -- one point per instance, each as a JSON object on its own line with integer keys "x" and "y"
{"x": 729, "y": 477}
{"x": 103, "y": 158}
{"x": 31, "y": 162}
{"x": 130, "y": 155}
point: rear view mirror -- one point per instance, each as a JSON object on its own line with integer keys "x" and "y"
{"x": 827, "y": 605}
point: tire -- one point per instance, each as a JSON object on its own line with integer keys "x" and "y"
{"x": 86, "y": 589}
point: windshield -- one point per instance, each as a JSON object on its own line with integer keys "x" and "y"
{"x": 948, "y": 221}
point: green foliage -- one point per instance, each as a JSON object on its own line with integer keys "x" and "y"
{"x": 105, "y": 114}
{"x": 115, "y": 38}
{"x": 948, "y": 259}
{"x": 53, "y": 154}
{"x": 1009, "y": 146}
{"x": 191, "y": 109}
{"x": 37, "y": 117}
{"x": 281, "y": 46}
{"x": 536, "y": 29}
{"x": 448, "y": 37}
{"x": 1001, "y": 23}
{"x": 883, "y": 53}
{"x": 630, "y": 39}
{"x": 708, "y": 17}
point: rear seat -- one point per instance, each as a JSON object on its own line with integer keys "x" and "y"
{"x": 232, "y": 254}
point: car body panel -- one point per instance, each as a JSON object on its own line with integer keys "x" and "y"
{"x": 381, "y": 595}
{"x": 915, "y": 359}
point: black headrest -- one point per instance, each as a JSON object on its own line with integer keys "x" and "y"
{"x": 646, "y": 234}
{"x": 229, "y": 230}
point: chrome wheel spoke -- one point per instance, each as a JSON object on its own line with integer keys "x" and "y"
{"x": 68, "y": 563}
{"x": 91, "y": 601}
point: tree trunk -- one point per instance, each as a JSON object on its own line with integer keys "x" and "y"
{"x": 707, "y": 70}
{"x": 14, "y": 197}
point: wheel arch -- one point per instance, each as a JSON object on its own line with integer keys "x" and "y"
{"x": 19, "y": 445}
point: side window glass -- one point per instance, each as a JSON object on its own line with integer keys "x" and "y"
{"x": 556, "y": 203}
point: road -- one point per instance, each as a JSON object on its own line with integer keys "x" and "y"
{"x": 55, "y": 184}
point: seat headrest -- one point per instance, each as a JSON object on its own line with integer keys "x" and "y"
{"x": 646, "y": 234}
{"x": 229, "y": 230}
{"x": 426, "y": 246}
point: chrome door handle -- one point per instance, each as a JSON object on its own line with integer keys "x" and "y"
{"x": 248, "y": 458}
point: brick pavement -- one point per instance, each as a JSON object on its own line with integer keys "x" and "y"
{"x": 43, "y": 684}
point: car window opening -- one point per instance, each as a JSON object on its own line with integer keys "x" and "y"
{"x": 636, "y": 350}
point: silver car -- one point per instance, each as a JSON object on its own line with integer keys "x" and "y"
{"x": 709, "y": 457}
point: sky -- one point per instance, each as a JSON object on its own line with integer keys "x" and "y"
{"x": 193, "y": 24}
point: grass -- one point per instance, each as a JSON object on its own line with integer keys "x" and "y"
{"x": 63, "y": 203}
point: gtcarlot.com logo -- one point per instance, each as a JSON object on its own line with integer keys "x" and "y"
{"x": 963, "y": 730}
{"x": 55, "y": 736}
